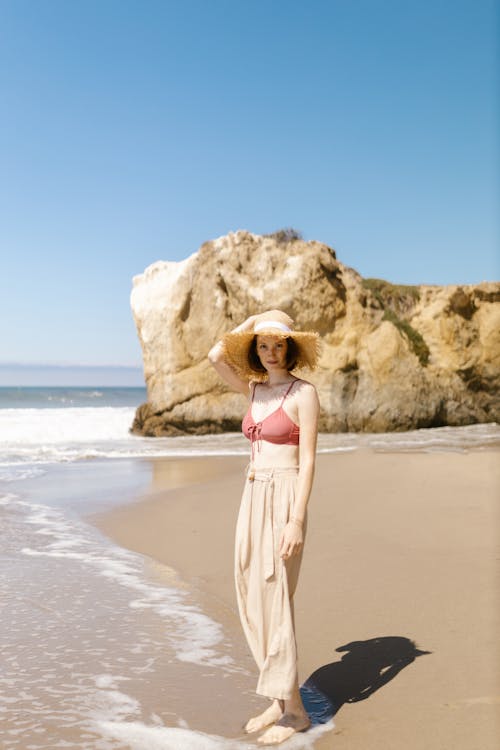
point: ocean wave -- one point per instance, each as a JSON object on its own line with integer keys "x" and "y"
{"x": 136, "y": 735}
{"x": 43, "y": 427}
{"x": 36, "y": 437}
{"x": 97, "y": 616}
{"x": 197, "y": 637}
{"x": 10, "y": 472}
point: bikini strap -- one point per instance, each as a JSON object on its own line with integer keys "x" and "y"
{"x": 288, "y": 391}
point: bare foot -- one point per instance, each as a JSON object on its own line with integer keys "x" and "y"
{"x": 284, "y": 728}
{"x": 269, "y": 716}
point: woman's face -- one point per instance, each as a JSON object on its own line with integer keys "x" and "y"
{"x": 272, "y": 352}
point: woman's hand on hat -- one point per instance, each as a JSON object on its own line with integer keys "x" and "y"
{"x": 291, "y": 541}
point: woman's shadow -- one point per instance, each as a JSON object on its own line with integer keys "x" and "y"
{"x": 364, "y": 668}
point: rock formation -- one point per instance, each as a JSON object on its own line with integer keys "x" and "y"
{"x": 394, "y": 357}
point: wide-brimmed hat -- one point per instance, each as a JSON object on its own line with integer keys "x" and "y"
{"x": 272, "y": 323}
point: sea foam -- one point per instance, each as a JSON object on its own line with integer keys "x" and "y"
{"x": 193, "y": 636}
{"x": 36, "y": 437}
{"x": 137, "y": 736}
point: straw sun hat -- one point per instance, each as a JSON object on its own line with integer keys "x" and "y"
{"x": 237, "y": 344}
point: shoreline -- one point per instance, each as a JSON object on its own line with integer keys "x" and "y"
{"x": 400, "y": 546}
{"x": 48, "y": 437}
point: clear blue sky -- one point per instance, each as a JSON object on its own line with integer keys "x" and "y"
{"x": 134, "y": 131}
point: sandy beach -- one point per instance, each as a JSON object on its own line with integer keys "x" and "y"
{"x": 397, "y": 605}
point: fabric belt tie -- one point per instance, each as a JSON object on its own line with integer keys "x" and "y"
{"x": 269, "y": 531}
{"x": 255, "y": 431}
{"x": 268, "y": 477}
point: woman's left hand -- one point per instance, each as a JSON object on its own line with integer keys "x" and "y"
{"x": 291, "y": 540}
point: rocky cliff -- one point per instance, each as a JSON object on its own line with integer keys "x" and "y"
{"x": 394, "y": 357}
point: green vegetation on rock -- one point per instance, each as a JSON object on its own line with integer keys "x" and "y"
{"x": 282, "y": 236}
{"x": 388, "y": 294}
{"x": 397, "y": 301}
{"x": 414, "y": 338}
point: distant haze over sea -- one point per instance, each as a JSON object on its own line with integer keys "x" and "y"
{"x": 17, "y": 374}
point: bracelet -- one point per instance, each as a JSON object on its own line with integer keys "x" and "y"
{"x": 296, "y": 521}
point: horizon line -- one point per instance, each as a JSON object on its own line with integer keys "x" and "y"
{"x": 61, "y": 365}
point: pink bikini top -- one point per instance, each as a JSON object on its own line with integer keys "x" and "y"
{"x": 277, "y": 427}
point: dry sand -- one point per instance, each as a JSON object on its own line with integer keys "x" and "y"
{"x": 401, "y": 547}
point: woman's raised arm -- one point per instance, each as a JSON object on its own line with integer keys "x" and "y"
{"x": 226, "y": 372}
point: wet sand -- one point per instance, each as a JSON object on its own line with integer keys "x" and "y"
{"x": 397, "y": 603}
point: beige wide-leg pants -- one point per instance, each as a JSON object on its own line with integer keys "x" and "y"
{"x": 265, "y": 584}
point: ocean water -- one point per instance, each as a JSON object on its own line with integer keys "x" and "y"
{"x": 56, "y": 397}
{"x": 45, "y": 426}
{"x": 101, "y": 648}
{"x": 98, "y": 640}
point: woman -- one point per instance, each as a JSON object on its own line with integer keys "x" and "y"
{"x": 257, "y": 358}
